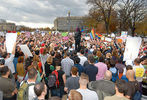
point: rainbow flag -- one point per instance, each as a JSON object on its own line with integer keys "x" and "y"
{"x": 99, "y": 36}
{"x": 92, "y": 34}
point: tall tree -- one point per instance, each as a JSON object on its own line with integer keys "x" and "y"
{"x": 106, "y": 7}
{"x": 131, "y": 12}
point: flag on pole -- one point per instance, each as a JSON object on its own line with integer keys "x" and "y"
{"x": 99, "y": 36}
{"x": 92, "y": 34}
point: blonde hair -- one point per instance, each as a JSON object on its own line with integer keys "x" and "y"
{"x": 75, "y": 95}
{"x": 84, "y": 79}
{"x": 49, "y": 60}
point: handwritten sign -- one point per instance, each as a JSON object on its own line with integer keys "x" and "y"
{"x": 139, "y": 72}
{"x": 26, "y": 50}
{"x": 10, "y": 41}
{"x": 132, "y": 48}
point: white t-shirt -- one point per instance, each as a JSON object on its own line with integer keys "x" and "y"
{"x": 82, "y": 60}
{"x": 10, "y": 64}
{"x": 88, "y": 94}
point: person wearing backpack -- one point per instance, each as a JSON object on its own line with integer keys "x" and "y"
{"x": 58, "y": 88}
{"x": 133, "y": 92}
{"x": 113, "y": 70}
{"x": 48, "y": 70}
{"x": 26, "y": 90}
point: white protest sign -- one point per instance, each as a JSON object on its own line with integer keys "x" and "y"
{"x": 88, "y": 44}
{"x": 10, "y": 41}
{"x": 87, "y": 38}
{"x": 32, "y": 33}
{"x": 43, "y": 33}
{"x": 132, "y": 48}
{"x": 26, "y": 50}
{"x": 1, "y": 34}
{"x": 108, "y": 39}
{"x": 112, "y": 35}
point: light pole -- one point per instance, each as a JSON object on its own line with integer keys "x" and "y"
{"x": 68, "y": 21}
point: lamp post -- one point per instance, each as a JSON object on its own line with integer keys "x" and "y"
{"x": 68, "y": 21}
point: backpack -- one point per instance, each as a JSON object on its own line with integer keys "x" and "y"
{"x": 137, "y": 96}
{"x": 115, "y": 76}
{"x": 23, "y": 91}
{"x": 53, "y": 80}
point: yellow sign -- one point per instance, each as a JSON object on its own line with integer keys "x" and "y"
{"x": 18, "y": 33}
{"x": 139, "y": 72}
{"x": 49, "y": 33}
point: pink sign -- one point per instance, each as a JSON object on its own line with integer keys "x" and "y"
{"x": 65, "y": 38}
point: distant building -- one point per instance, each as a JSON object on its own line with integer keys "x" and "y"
{"x": 4, "y": 26}
{"x": 68, "y": 23}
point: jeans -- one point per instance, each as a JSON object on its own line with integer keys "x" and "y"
{"x": 15, "y": 63}
{"x": 58, "y": 92}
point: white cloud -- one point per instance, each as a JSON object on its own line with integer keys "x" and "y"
{"x": 40, "y": 12}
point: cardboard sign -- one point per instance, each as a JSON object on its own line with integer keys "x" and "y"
{"x": 65, "y": 38}
{"x": 132, "y": 48}
{"x": 108, "y": 39}
{"x": 10, "y": 41}
{"x": 139, "y": 72}
{"x": 87, "y": 38}
{"x": 2, "y": 34}
{"x": 26, "y": 50}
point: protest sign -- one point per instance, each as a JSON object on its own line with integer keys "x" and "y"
{"x": 65, "y": 38}
{"x": 32, "y": 33}
{"x": 18, "y": 33}
{"x": 139, "y": 72}
{"x": 88, "y": 44}
{"x": 124, "y": 35}
{"x": 2, "y": 34}
{"x": 27, "y": 34}
{"x": 112, "y": 35}
{"x": 25, "y": 50}
{"x": 43, "y": 33}
{"x": 108, "y": 39}
{"x": 132, "y": 48}
{"x": 87, "y": 38}
{"x": 64, "y": 34}
{"x": 10, "y": 41}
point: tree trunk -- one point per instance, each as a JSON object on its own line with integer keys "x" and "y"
{"x": 107, "y": 27}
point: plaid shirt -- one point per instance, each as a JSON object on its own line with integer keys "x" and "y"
{"x": 66, "y": 65}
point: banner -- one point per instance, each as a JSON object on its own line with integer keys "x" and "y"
{"x": 26, "y": 50}
{"x": 132, "y": 48}
{"x": 10, "y": 41}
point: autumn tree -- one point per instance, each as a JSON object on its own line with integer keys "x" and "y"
{"x": 105, "y": 7}
{"x": 130, "y": 13}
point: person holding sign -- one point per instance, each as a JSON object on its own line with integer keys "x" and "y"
{"x": 9, "y": 59}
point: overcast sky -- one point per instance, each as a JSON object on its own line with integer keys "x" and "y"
{"x": 40, "y": 13}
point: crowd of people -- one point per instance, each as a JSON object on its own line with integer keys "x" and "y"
{"x": 70, "y": 69}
